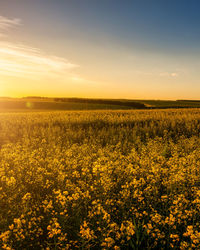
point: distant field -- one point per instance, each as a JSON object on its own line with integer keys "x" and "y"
{"x": 43, "y": 104}
{"x": 171, "y": 104}
{"x": 67, "y": 104}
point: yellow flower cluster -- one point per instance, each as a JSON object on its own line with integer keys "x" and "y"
{"x": 100, "y": 180}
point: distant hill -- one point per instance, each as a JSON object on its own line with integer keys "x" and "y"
{"x": 44, "y": 103}
{"x": 124, "y": 103}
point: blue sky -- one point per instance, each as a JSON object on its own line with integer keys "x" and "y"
{"x": 119, "y": 49}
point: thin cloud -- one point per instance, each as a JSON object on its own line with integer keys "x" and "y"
{"x": 155, "y": 74}
{"x": 174, "y": 74}
{"x": 23, "y": 61}
{"x": 6, "y": 23}
{"x": 168, "y": 74}
{"x": 19, "y": 60}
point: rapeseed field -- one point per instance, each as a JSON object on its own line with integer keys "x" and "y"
{"x": 100, "y": 180}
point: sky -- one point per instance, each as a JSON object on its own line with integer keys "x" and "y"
{"x": 134, "y": 49}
